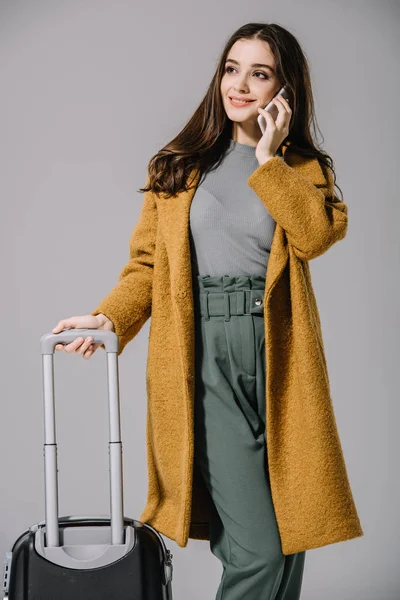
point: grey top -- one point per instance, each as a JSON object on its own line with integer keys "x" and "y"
{"x": 230, "y": 230}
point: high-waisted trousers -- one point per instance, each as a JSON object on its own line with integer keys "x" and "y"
{"x": 231, "y": 441}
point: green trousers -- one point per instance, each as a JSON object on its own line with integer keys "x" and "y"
{"x": 230, "y": 440}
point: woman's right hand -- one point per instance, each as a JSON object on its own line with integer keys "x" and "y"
{"x": 83, "y": 346}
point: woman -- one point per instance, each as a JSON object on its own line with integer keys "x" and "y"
{"x": 242, "y": 443}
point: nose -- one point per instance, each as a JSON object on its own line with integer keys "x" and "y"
{"x": 242, "y": 88}
{"x": 241, "y": 84}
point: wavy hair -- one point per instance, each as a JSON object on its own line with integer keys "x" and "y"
{"x": 203, "y": 141}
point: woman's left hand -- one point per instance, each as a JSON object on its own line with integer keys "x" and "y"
{"x": 275, "y": 131}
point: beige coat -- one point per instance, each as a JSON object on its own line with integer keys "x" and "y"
{"x": 311, "y": 493}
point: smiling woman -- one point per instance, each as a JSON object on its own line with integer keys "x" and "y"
{"x": 242, "y": 443}
{"x": 257, "y": 60}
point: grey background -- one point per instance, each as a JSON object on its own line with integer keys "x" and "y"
{"x": 90, "y": 90}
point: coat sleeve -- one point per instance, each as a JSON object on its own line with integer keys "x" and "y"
{"x": 128, "y": 305}
{"x": 302, "y": 201}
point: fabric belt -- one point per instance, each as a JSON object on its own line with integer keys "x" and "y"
{"x": 238, "y": 302}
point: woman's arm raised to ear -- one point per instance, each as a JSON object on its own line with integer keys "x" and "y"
{"x": 128, "y": 305}
{"x": 302, "y": 201}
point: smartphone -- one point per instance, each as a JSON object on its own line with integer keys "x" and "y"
{"x": 272, "y": 108}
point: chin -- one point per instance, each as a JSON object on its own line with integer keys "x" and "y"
{"x": 237, "y": 119}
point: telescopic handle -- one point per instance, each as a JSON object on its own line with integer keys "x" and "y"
{"x": 110, "y": 340}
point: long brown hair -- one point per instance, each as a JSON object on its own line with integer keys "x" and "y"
{"x": 205, "y": 138}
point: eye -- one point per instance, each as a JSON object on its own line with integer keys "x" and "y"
{"x": 257, "y": 73}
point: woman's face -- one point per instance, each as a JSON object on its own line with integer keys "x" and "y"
{"x": 246, "y": 75}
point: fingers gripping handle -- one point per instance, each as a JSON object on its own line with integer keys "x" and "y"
{"x": 48, "y": 341}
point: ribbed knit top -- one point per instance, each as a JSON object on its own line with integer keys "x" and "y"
{"x": 231, "y": 229}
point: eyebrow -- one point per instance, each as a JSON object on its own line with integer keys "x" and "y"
{"x": 255, "y": 65}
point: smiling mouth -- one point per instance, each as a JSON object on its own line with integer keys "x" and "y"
{"x": 240, "y": 101}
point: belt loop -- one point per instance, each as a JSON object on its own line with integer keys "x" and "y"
{"x": 240, "y": 299}
{"x": 247, "y": 294}
{"x": 227, "y": 311}
{"x": 204, "y": 297}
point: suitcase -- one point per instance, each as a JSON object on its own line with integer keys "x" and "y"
{"x": 86, "y": 557}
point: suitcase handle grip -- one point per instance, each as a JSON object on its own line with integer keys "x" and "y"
{"x": 48, "y": 341}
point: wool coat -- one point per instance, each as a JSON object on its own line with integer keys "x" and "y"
{"x": 310, "y": 488}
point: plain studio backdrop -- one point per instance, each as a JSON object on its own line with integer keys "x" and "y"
{"x": 90, "y": 90}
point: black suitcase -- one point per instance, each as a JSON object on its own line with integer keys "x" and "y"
{"x": 86, "y": 557}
